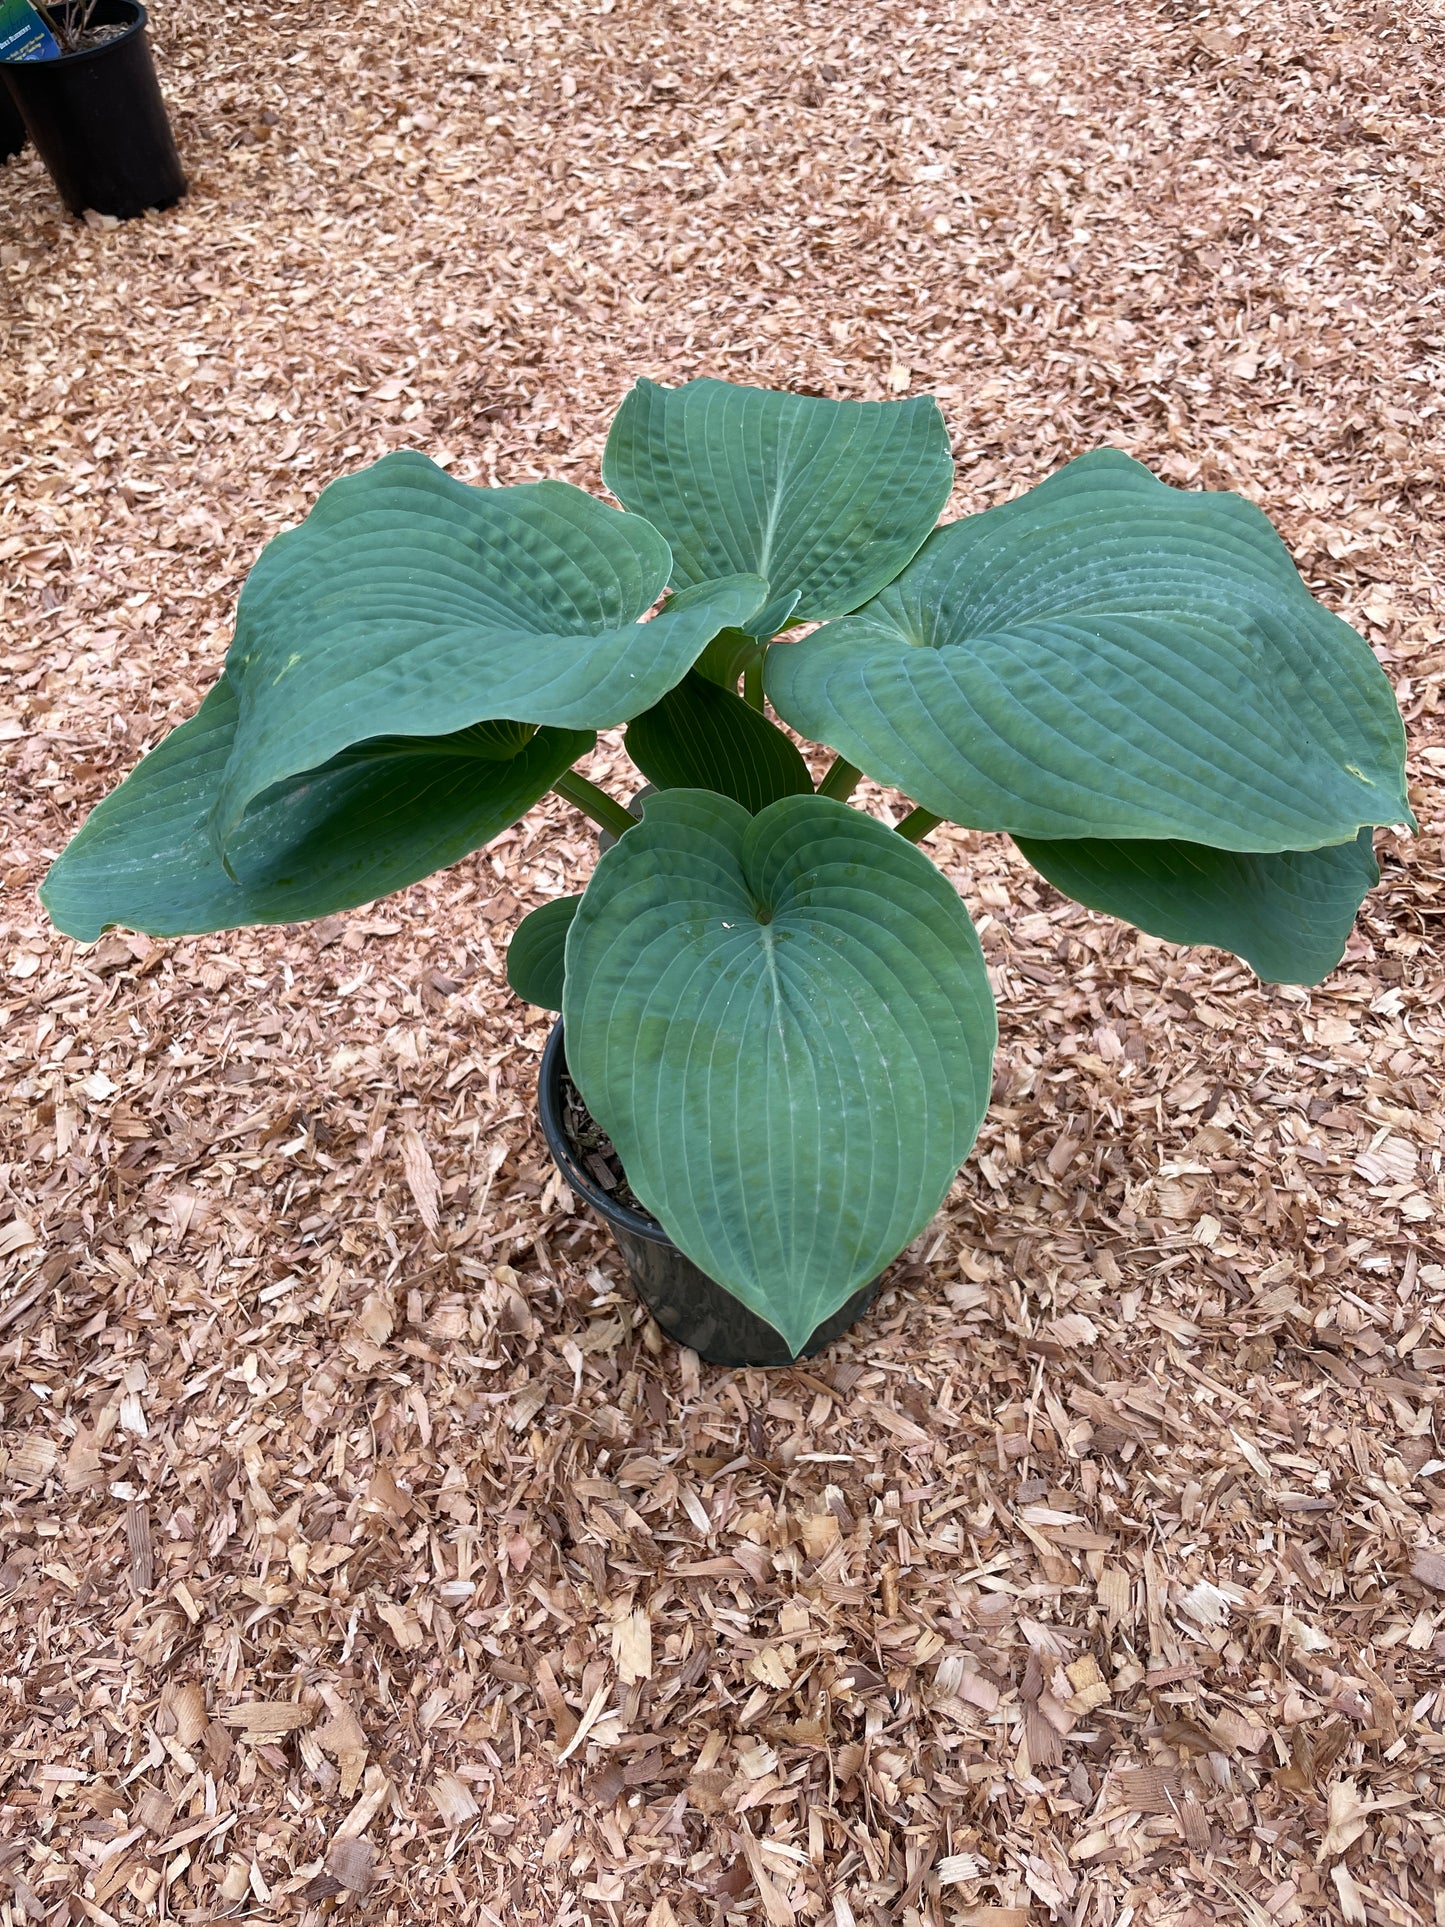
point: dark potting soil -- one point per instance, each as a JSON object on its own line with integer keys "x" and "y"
{"x": 595, "y": 1151}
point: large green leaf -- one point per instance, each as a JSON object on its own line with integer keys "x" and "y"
{"x": 703, "y": 737}
{"x": 1109, "y": 657}
{"x": 377, "y": 817}
{"x": 784, "y": 1024}
{"x": 826, "y": 500}
{"x": 536, "y": 956}
{"x": 1288, "y": 914}
{"x": 408, "y": 602}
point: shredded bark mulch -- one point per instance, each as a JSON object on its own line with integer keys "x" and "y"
{"x": 365, "y": 1549}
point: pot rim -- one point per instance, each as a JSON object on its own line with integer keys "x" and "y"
{"x": 137, "y": 25}
{"x": 554, "y": 1062}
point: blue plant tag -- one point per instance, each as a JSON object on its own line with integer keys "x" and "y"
{"x": 23, "y": 34}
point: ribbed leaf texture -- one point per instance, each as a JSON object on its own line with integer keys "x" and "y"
{"x": 380, "y": 815}
{"x": 784, "y": 1023}
{"x": 1109, "y": 657}
{"x": 408, "y": 602}
{"x": 825, "y": 500}
{"x": 701, "y": 736}
{"x": 1288, "y": 914}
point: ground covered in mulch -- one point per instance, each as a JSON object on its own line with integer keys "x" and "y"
{"x": 364, "y": 1550}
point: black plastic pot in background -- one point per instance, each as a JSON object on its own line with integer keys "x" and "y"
{"x": 690, "y": 1307}
{"x": 98, "y": 121}
{"x": 12, "y": 128}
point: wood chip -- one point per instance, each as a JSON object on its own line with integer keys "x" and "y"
{"x": 377, "y": 1790}
{"x": 632, "y": 1647}
{"x": 188, "y": 1709}
{"x": 453, "y": 1800}
{"x": 421, "y": 1177}
{"x": 267, "y": 1719}
{"x": 138, "y": 1538}
{"x": 352, "y": 1864}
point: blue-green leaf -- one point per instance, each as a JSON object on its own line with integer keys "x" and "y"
{"x": 536, "y": 956}
{"x": 1288, "y": 914}
{"x": 703, "y": 737}
{"x": 784, "y": 1024}
{"x": 825, "y": 500}
{"x": 730, "y": 653}
{"x": 1109, "y": 657}
{"x": 378, "y": 816}
{"x": 408, "y": 602}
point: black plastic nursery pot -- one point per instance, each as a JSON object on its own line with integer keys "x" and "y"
{"x": 12, "y": 128}
{"x": 98, "y": 121}
{"x": 690, "y": 1307}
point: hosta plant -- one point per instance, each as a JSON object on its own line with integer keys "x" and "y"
{"x": 775, "y": 1005}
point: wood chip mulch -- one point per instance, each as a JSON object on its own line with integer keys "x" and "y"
{"x": 365, "y": 1553}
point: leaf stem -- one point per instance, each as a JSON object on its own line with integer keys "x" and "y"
{"x": 604, "y": 810}
{"x": 917, "y": 824}
{"x": 840, "y": 781}
{"x": 753, "y": 684}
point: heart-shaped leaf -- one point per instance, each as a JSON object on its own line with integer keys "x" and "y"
{"x": 378, "y": 816}
{"x": 825, "y": 500}
{"x": 1288, "y": 914}
{"x": 536, "y": 956}
{"x": 1109, "y": 657}
{"x": 703, "y": 737}
{"x": 408, "y": 602}
{"x": 784, "y": 1024}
